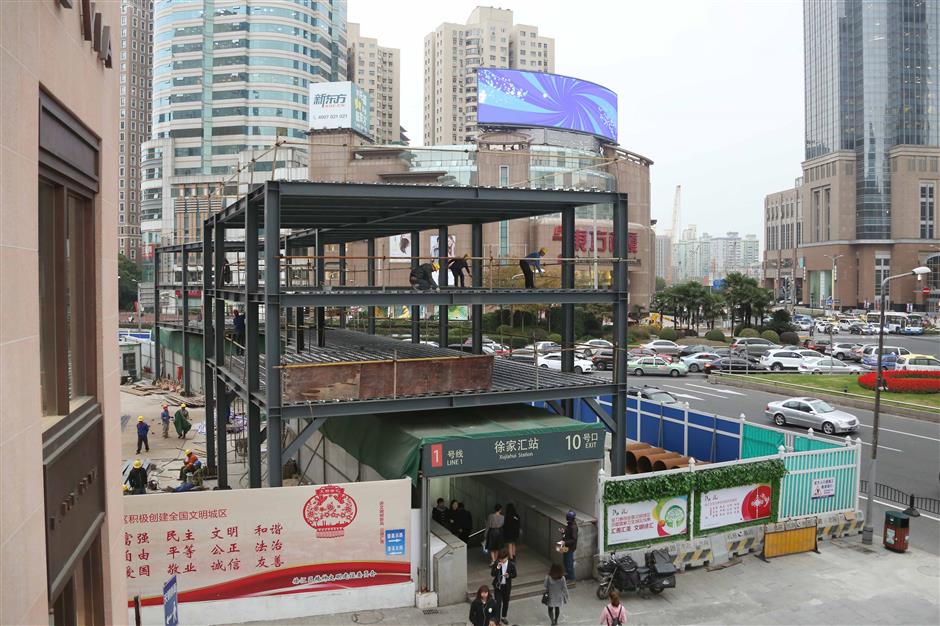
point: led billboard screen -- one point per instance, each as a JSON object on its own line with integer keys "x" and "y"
{"x": 519, "y": 98}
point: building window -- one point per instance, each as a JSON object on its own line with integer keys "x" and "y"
{"x": 928, "y": 204}
{"x": 503, "y": 175}
{"x": 882, "y": 271}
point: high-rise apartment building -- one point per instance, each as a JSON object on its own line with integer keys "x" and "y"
{"x": 136, "y": 91}
{"x": 663, "y": 255}
{"x": 377, "y": 70}
{"x": 452, "y": 55}
{"x": 871, "y": 175}
{"x": 704, "y": 258}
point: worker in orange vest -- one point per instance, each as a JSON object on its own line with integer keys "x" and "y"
{"x": 189, "y": 464}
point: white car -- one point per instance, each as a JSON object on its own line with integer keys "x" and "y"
{"x": 589, "y": 347}
{"x": 696, "y": 362}
{"x": 544, "y": 347}
{"x": 663, "y": 346}
{"x": 923, "y": 362}
{"x": 803, "y": 325}
{"x": 553, "y": 362}
{"x": 777, "y": 360}
{"x": 827, "y": 365}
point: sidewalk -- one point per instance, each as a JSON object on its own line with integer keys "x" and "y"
{"x": 845, "y": 584}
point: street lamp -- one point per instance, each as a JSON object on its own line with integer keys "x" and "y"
{"x": 867, "y": 530}
{"x": 832, "y": 278}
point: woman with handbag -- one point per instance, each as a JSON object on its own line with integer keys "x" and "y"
{"x": 494, "y": 532}
{"x": 556, "y": 592}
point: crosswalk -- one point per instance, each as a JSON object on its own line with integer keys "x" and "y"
{"x": 691, "y": 391}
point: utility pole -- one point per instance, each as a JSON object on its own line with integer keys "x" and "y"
{"x": 832, "y": 281}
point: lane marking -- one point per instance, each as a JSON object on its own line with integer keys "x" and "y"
{"x": 899, "y": 508}
{"x": 901, "y": 432}
{"x": 699, "y": 392}
{"x": 721, "y": 390}
{"x": 685, "y": 395}
{"x": 881, "y": 447}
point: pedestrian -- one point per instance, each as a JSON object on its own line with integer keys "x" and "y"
{"x": 181, "y": 422}
{"x": 165, "y": 418}
{"x": 511, "y": 527}
{"x": 503, "y": 571}
{"x": 569, "y": 541}
{"x": 238, "y": 320}
{"x": 483, "y": 609}
{"x": 450, "y": 517}
{"x": 226, "y": 273}
{"x": 439, "y": 513}
{"x": 463, "y": 522}
{"x": 556, "y": 592}
{"x": 458, "y": 265}
{"x": 614, "y": 614}
{"x": 137, "y": 479}
{"x": 494, "y": 532}
{"x": 422, "y": 277}
{"x": 532, "y": 260}
{"x": 143, "y": 429}
{"x": 189, "y": 464}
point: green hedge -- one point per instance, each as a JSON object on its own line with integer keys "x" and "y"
{"x": 771, "y": 336}
{"x": 715, "y": 335}
{"x": 789, "y": 338}
{"x": 669, "y": 334}
{"x": 748, "y": 332}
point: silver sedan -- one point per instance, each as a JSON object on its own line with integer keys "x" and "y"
{"x": 811, "y": 413}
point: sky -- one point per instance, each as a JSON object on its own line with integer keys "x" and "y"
{"x": 710, "y": 91}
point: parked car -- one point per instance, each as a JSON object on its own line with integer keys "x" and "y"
{"x": 827, "y": 365}
{"x": 544, "y": 347}
{"x": 732, "y": 364}
{"x": 663, "y": 346}
{"x": 553, "y": 362}
{"x": 523, "y": 355}
{"x": 862, "y": 328}
{"x": 923, "y": 362}
{"x": 811, "y": 413}
{"x": 755, "y": 346}
{"x": 696, "y": 362}
{"x": 693, "y": 349}
{"x": 841, "y": 350}
{"x": 846, "y": 323}
{"x": 653, "y": 393}
{"x": 858, "y": 353}
{"x": 636, "y": 353}
{"x": 803, "y": 325}
{"x": 656, "y": 366}
{"x": 889, "y": 355}
{"x": 591, "y": 346}
{"x": 819, "y": 344}
{"x": 603, "y": 359}
{"x": 777, "y": 360}
{"x": 722, "y": 352}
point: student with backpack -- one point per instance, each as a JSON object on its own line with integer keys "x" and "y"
{"x": 614, "y": 614}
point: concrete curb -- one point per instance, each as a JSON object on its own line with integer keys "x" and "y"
{"x": 926, "y": 415}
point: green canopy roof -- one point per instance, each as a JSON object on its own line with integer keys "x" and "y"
{"x": 391, "y": 443}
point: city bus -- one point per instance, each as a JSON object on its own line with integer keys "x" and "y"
{"x": 899, "y": 323}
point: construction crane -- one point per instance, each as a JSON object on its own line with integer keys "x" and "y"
{"x": 674, "y": 233}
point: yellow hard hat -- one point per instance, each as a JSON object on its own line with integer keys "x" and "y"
{"x": 137, "y": 463}
{"x": 140, "y": 418}
{"x": 187, "y": 452}
{"x": 436, "y": 265}
{"x": 466, "y": 256}
{"x": 183, "y": 406}
{"x": 126, "y": 488}
{"x": 543, "y": 251}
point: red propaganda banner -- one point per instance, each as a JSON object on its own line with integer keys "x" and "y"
{"x": 267, "y": 542}
{"x": 584, "y": 240}
{"x": 734, "y": 505}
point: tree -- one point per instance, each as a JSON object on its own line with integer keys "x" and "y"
{"x": 128, "y": 278}
{"x": 660, "y": 284}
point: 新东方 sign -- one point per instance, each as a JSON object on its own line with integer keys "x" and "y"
{"x": 823, "y": 488}
{"x": 648, "y": 519}
{"x": 734, "y": 505}
{"x": 339, "y": 105}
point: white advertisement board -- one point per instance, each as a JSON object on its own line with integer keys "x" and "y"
{"x": 339, "y": 105}
{"x": 648, "y": 519}
{"x": 734, "y": 505}
{"x": 824, "y": 488}
{"x": 224, "y": 545}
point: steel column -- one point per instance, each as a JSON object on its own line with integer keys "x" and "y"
{"x": 218, "y": 335}
{"x": 370, "y": 281}
{"x": 185, "y": 293}
{"x": 424, "y": 569}
{"x": 155, "y": 361}
{"x": 442, "y": 250}
{"x": 221, "y": 419}
{"x": 252, "y": 350}
{"x": 567, "y": 310}
{"x": 476, "y": 311}
{"x": 619, "y": 376}
{"x": 342, "y": 281}
{"x": 208, "y": 346}
{"x": 320, "y": 282}
{"x": 415, "y": 310}
{"x": 272, "y": 338}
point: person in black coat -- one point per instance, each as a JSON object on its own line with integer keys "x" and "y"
{"x": 457, "y": 266}
{"x": 483, "y": 608}
{"x": 463, "y": 523}
{"x": 503, "y": 572}
{"x": 422, "y": 277}
{"x": 511, "y": 530}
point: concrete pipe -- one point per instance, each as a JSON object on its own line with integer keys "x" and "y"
{"x": 632, "y": 455}
{"x": 645, "y": 461}
{"x": 664, "y": 464}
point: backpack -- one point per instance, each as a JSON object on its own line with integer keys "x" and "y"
{"x": 615, "y": 619}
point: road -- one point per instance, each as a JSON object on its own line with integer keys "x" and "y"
{"x": 926, "y": 344}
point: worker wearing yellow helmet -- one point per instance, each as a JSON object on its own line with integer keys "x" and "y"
{"x": 532, "y": 260}
{"x": 143, "y": 429}
{"x": 181, "y": 422}
{"x": 422, "y": 277}
{"x": 137, "y": 478}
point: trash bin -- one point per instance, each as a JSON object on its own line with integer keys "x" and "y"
{"x": 897, "y": 528}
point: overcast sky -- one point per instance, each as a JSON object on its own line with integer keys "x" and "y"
{"x": 712, "y": 92}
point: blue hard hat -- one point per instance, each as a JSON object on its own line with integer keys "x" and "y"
{"x": 571, "y": 515}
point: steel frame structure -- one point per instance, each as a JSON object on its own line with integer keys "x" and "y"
{"x": 313, "y": 215}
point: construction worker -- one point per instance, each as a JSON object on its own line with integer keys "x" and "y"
{"x": 238, "y": 320}
{"x": 457, "y": 266}
{"x": 189, "y": 464}
{"x": 422, "y": 277}
{"x": 137, "y": 479}
{"x": 143, "y": 429}
{"x": 181, "y": 422}
{"x": 526, "y": 265}
{"x": 165, "y": 418}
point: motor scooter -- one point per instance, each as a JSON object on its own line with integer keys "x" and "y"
{"x": 623, "y": 574}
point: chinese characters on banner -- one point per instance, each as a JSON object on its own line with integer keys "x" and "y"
{"x": 734, "y": 505}
{"x": 231, "y": 544}
{"x": 584, "y": 240}
{"x": 649, "y": 519}
{"x": 823, "y": 487}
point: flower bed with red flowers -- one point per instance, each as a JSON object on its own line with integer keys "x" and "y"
{"x": 907, "y": 381}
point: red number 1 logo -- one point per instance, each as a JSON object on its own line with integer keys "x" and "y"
{"x": 437, "y": 455}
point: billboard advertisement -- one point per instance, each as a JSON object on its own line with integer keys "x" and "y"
{"x": 520, "y": 98}
{"x": 221, "y": 545}
{"x": 734, "y": 505}
{"x": 399, "y": 247}
{"x": 339, "y": 105}
{"x": 648, "y": 519}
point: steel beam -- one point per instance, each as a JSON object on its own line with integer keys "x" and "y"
{"x": 601, "y": 414}
{"x": 208, "y": 347}
{"x": 567, "y": 309}
{"x": 474, "y": 297}
{"x": 252, "y": 350}
{"x": 156, "y": 363}
{"x": 272, "y": 315}
{"x": 216, "y": 328}
{"x": 221, "y": 420}
{"x": 185, "y": 293}
{"x": 619, "y": 378}
{"x": 320, "y": 281}
{"x": 370, "y": 281}
{"x": 442, "y": 259}
{"x": 416, "y": 309}
{"x": 476, "y": 313}
{"x": 294, "y": 446}
{"x": 342, "y": 281}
